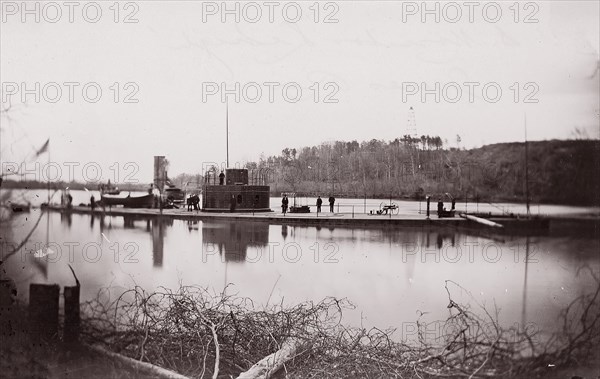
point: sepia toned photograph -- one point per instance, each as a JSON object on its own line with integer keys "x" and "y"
{"x": 300, "y": 189}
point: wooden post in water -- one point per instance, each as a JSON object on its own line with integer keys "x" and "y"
{"x": 8, "y": 297}
{"x": 43, "y": 311}
{"x": 72, "y": 317}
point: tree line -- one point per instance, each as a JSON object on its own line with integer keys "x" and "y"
{"x": 411, "y": 167}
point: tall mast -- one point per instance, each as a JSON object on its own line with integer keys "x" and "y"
{"x": 227, "y": 129}
{"x": 48, "y": 178}
{"x": 526, "y": 169}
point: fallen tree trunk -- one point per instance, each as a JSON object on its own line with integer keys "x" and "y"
{"x": 144, "y": 367}
{"x": 270, "y": 364}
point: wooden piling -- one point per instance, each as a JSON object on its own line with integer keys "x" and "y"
{"x": 43, "y": 311}
{"x": 72, "y": 316}
{"x": 8, "y": 295}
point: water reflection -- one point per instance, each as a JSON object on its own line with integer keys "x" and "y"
{"x": 441, "y": 237}
{"x": 128, "y": 222}
{"x": 192, "y": 225}
{"x": 156, "y": 228}
{"x": 524, "y": 301}
{"x": 232, "y": 240}
{"x": 66, "y": 218}
{"x": 388, "y": 273}
{"x": 158, "y": 241}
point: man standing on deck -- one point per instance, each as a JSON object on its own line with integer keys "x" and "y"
{"x": 331, "y": 202}
{"x": 319, "y": 203}
{"x": 284, "y": 204}
{"x": 93, "y": 203}
{"x": 221, "y": 178}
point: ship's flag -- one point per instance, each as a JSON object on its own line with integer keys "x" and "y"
{"x": 43, "y": 149}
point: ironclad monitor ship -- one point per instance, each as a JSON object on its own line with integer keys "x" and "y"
{"x": 237, "y": 192}
{"x": 234, "y": 190}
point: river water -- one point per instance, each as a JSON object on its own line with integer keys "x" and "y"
{"x": 392, "y": 275}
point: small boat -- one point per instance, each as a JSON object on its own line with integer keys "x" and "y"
{"x": 143, "y": 201}
{"x": 16, "y": 208}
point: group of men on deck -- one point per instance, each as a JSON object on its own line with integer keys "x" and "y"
{"x": 285, "y": 202}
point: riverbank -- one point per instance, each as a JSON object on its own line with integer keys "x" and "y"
{"x": 201, "y": 334}
{"x": 22, "y": 357}
{"x": 197, "y": 333}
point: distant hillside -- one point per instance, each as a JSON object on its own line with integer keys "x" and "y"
{"x": 565, "y": 172}
{"x": 560, "y": 172}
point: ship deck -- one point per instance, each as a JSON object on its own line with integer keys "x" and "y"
{"x": 326, "y": 219}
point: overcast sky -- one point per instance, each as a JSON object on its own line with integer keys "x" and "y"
{"x": 370, "y": 57}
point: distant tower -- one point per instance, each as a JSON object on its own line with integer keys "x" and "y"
{"x": 411, "y": 131}
{"x": 411, "y": 123}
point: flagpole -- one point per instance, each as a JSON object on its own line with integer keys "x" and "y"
{"x": 48, "y": 178}
{"x": 47, "y": 209}
{"x": 45, "y": 249}
{"x": 526, "y": 169}
{"x": 227, "y": 129}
